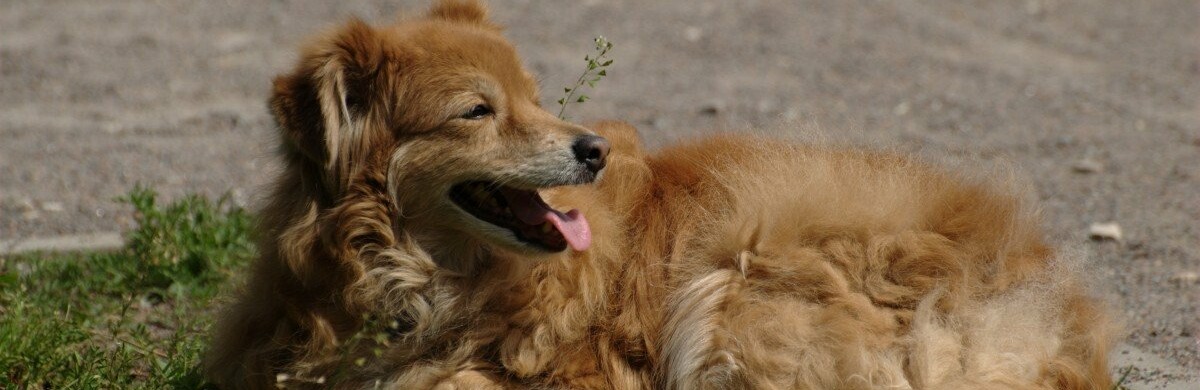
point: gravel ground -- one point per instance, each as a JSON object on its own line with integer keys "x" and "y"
{"x": 1094, "y": 101}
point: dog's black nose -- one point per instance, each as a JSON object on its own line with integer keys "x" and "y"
{"x": 591, "y": 150}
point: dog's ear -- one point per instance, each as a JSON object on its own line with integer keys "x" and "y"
{"x": 319, "y": 106}
{"x": 462, "y": 11}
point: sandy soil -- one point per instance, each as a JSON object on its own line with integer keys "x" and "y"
{"x": 97, "y": 96}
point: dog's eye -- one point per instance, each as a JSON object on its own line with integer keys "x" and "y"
{"x": 478, "y": 112}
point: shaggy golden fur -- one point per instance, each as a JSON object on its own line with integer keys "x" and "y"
{"x": 730, "y": 262}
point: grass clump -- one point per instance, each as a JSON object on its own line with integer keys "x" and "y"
{"x": 135, "y": 318}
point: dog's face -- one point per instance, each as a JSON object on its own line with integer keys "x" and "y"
{"x": 444, "y": 110}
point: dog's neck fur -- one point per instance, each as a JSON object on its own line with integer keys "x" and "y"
{"x": 452, "y": 251}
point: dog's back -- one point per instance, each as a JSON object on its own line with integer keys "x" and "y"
{"x": 811, "y": 267}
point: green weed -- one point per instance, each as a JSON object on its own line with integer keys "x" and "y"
{"x": 597, "y": 68}
{"x": 135, "y": 318}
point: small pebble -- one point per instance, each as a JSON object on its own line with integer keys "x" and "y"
{"x": 239, "y": 197}
{"x": 659, "y": 123}
{"x": 54, "y": 207}
{"x": 711, "y": 108}
{"x": 1105, "y": 231}
{"x": 1186, "y": 278}
{"x": 1087, "y": 165}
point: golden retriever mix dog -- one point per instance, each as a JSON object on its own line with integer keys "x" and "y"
{"x": 434, "y": 227}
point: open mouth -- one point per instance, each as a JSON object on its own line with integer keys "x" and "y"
{"x": 525, "y": 214}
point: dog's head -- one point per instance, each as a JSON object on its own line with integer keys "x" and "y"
{"x": 442, "y": 108}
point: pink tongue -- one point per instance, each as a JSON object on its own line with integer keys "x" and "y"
{"x": 531, "y": 209}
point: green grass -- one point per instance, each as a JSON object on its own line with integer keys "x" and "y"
{"x": 135, "y": 318}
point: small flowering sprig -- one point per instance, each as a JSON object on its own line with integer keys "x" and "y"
{"x": 596, "y": 69}
{"x": 374, "y": 333}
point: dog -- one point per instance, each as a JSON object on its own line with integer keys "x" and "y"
{"x": 434, "y": 227}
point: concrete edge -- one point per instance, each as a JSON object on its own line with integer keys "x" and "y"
{"x": 101, "y": 241}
